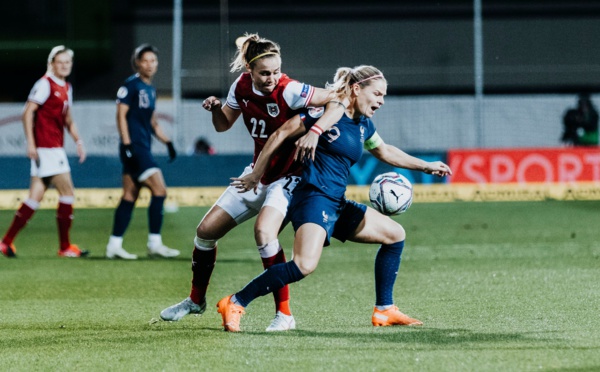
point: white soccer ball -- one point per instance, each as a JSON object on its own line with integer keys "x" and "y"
{"x": 391, "y": 193}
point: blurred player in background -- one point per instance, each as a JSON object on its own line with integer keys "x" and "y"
{"x": 266, "y": 98}
{"x": 319, "y": 209}
{"x": 46, "y": 115}
{"x": 136, "y": 122}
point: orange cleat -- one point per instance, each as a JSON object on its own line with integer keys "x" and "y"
{"x": 391, "y": 317}
{"x": 8, "y": 250}
{"x": 72, "y": 251}
{"x": 231, "y": 314}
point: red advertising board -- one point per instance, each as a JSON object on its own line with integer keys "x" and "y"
{"x": 525, "y": 165}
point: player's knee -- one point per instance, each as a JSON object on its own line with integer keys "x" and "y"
{"x": 264, "y": 234}
{"x": 394, "y": 233}
{"x": 306, "y": 267}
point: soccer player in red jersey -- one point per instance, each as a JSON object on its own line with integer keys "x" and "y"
{"x": 46, "y": 115}
{"x": 266, "y": 98}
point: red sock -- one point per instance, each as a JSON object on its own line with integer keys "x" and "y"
{"x": 282, "y": 296}
{"x": 22, "y": 215}
{"x": 203, "y": 263}
{"x": 64, "y": 219}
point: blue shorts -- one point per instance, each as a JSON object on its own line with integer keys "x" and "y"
{"x": 339, "y": 218}
{"x": 143, "y": 165}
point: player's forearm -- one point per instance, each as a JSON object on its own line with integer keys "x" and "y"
{"x": 394, "y": 156}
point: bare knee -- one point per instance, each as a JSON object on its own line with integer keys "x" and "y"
{"x": 306, "y": 268}
{"x": 393, "y": 234}
{"x": 264, "y": 234}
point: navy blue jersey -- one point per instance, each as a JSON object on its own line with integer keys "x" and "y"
{"x": 141, "y": 99}
{"x": 338, "y": 149}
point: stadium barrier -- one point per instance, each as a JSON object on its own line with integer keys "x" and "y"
{"x": 434, "y": 193}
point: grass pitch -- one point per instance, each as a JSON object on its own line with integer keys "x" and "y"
{"x": 500, "y": 287}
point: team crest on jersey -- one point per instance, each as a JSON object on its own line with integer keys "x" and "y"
{"x": 144, "y": 99}
{"x": 273, "y": 109}
{"x": 362, "y": 134}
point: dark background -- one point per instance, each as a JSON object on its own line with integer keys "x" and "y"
{"x": 529, "y": 46}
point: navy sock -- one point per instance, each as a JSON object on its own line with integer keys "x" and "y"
{"x": 387, "y": 263}
{"x": 155, "y": 214}
{"x": 122, "y": 217}
{"x": 271, "y": 280}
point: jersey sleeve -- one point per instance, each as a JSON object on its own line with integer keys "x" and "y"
{"x": 40, "y": 92}
{"x": 310, "y": 116}
{"x": 124, "y": 94}
{"x": 298, "y": 95}
{"x": 231, "y": 100}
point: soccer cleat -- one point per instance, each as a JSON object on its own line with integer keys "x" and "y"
{"x": 282, "y": 322}
{"x": 391, "y": 317}
{"x": 119, "y": 252}
{"x": 231, "y": 314}
{"x": 8, "y": 250}
{"x": 73, "y": 251}
{"x": 162, "y": 251}
{"x": 185, "y": 307}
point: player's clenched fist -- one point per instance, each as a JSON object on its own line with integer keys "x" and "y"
{"x": 211, "y": 103}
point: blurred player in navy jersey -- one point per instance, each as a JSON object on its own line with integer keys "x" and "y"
{"x": 319, "y": 209}
{"x": 136, "y": 122}
{"x": 266, "y": 98}
{"x": 46, "y": 115}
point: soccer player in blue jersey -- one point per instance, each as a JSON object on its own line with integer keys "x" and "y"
{"x": 319, "y": 209}
{"x": 136, "y": 122}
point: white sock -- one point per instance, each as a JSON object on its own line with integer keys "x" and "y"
{"x": 270, "y": 249}
{"x": 115, "y": 241}
{"x": 154, "y": 240}
{"x": 384, "y": 307}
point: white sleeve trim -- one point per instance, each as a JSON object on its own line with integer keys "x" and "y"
{"x": 40, "y": 92}
{"x": 298, "y": 95}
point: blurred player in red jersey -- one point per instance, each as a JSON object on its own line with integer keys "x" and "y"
{"x": 46, "y": 115}
{"x": 266, "y": 98}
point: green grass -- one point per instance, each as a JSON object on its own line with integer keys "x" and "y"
{"x": 499, "y": 286}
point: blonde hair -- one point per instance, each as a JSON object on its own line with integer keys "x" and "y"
{"x": 56, "y": 51}
{"x": 346, "y": 77}
{"x": 251, "y": 49}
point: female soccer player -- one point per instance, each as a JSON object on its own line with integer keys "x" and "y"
{"x": 319, "y": 209}
{"x": 136, "y": 122}
{"x": 266, "y": 98}
{"x": 46, "y": 115}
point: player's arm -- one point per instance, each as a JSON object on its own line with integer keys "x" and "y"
{"x": 223, "y": 116}
{"x": 307, "y": 144}
{"x": 122, "y": 110}
{"x": 74, "y": 132}
{"x": 162, "y": 137}
{"x": 394, "y": 156}
{"x": 292, "y": 128}
{"x": 27, "y": 118}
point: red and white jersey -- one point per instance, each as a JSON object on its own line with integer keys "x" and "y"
{"x": 263, "y": 115}
{"x": 54, "y": 97}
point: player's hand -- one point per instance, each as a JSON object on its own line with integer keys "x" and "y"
{"x": 306, "y": 146}
{"x": 128, "y": 155}
{"x": 172, "y": 152}
{"x": 81, "y": 152}
{"x": 211, "y": 103}
{"x": 437, "y": 168}
{"x": 32, "y": 152}
{"x": 246, "y": 183}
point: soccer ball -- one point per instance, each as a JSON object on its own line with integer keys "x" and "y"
{"x": 391, "y": 193}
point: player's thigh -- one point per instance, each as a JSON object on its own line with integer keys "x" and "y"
{"x": 131, "y": 189}
{"x": 63, "y": 184}
{"x": 215, "y": 224}
{"x": 375, "y": 228}
{"x": 308, "y": 246}
{"x": 37, "y": 189}
{"x": 156, "y": 184}
{"x": 267, "y": 225}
